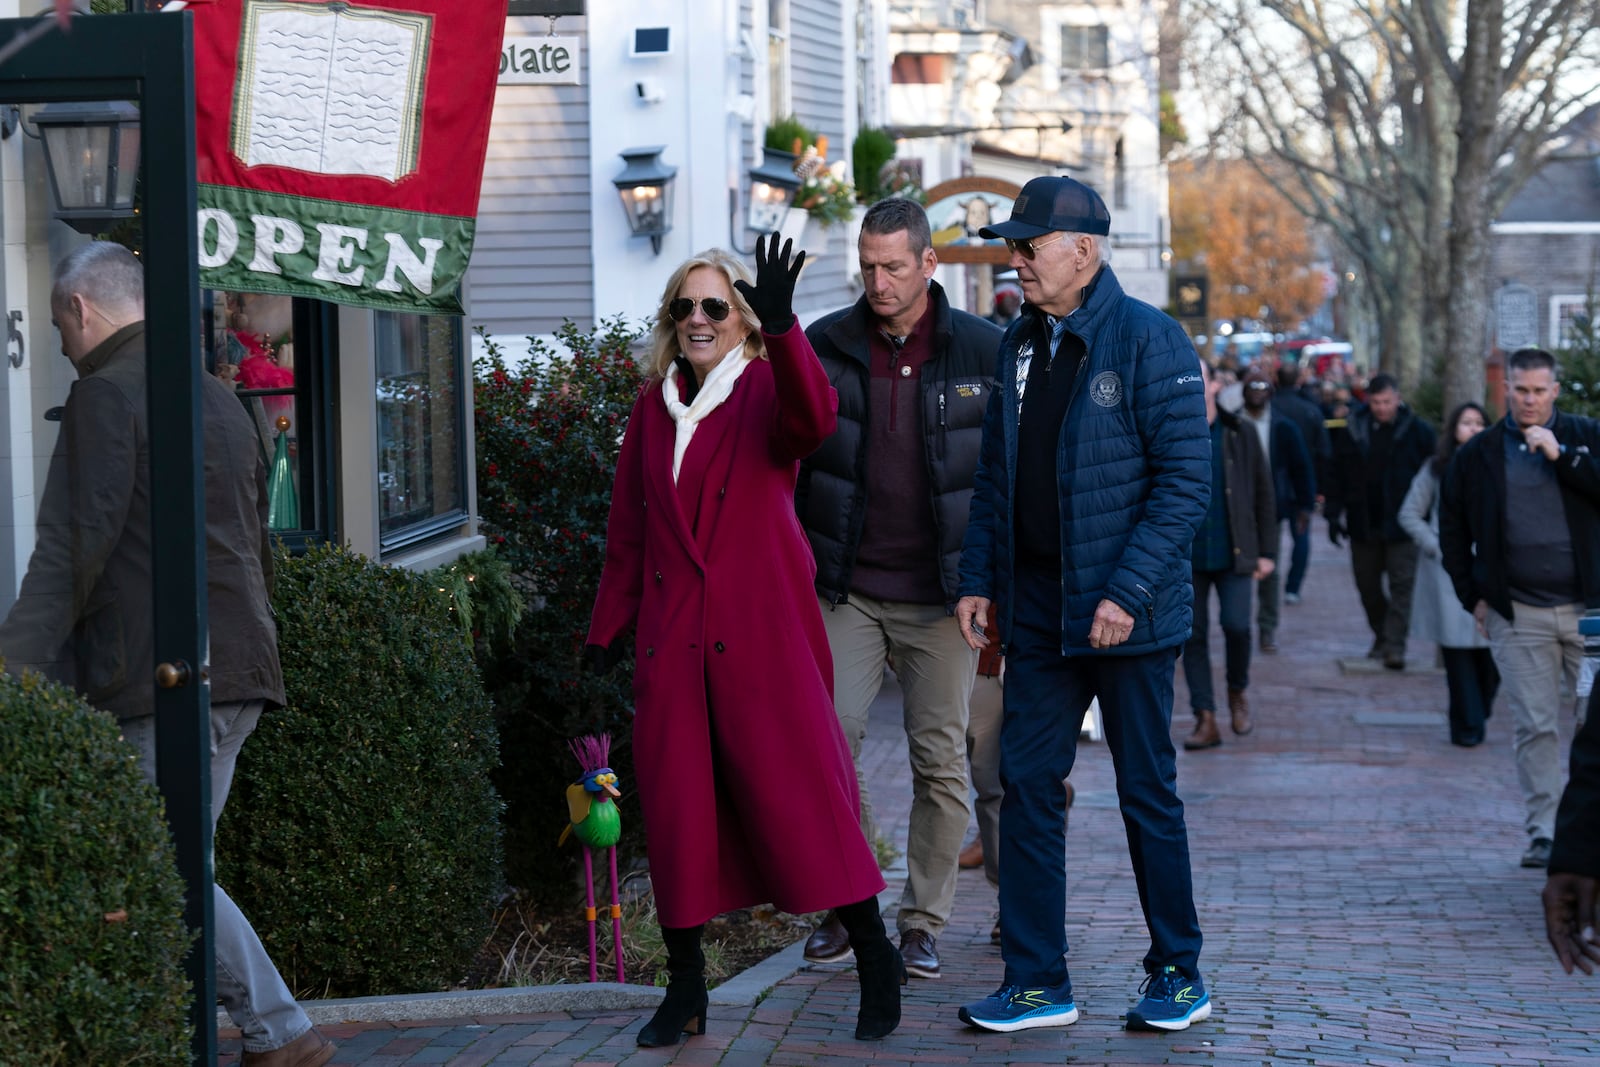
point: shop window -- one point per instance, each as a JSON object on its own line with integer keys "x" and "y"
{"x": 1565, "y": 312}
{"x": 421, "y": 422}
{"x": 272, "y": 350}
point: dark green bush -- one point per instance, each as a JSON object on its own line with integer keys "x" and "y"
{"x": 784, "y": 133}
{"x": 362, "y": 836}
{"x": 548, "y": 433}
{"x": 92, "y": 938}
{"x": 872, "y": 149}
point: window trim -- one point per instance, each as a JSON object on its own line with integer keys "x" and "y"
{"x": 1556, "y": 303}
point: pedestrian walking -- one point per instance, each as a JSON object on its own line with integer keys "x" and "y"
{"x": 744, "y": 778}
{"x": 1294, "y": 486}
{"x": 1572, "y": 890}
{"x": 1436, "y": 615}
{"x": 1376, "y": 454}
{"x": 1294, "y": 404}
{"x": 883, "y": 501}
{"x": 1525, "y": 576}
{"x": 83, "y": 613}
{"x": 1234, "y": 548}
{"x": 1095, "y": 475}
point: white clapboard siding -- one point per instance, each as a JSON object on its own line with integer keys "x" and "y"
{"x": 817, "y": 77}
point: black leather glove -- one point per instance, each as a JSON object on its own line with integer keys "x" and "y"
{"x": 1336, "y": 530}
{"x": 772, "y": 296}
{"x": 600, "y": 659}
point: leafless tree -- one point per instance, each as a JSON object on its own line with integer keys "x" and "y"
{"x": 1406, "y": 126}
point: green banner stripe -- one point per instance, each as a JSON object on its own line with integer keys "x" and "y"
{"x": 355, "y": 254}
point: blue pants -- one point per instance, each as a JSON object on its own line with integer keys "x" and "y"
{"x": 1046, "y": 696}
{"x": 1233, "y": 604}
{"x": 1299, "y": 556}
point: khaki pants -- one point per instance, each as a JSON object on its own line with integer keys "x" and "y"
{"x": 935, "y": 669}
{"x": 1538, "y": 654}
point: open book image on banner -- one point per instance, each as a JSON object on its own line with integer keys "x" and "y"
{"x": 340, "y": 146}
{"x": 330, "y": 89}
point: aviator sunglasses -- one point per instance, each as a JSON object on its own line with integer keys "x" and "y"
{"x": 716, "y": 308}
{"x": 1029, "y": 246}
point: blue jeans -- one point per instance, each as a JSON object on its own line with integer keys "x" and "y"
{"x": 248, "y": 985}
{"x": 1233, "y": 602}
{"x": 1046, "y": 696}
{"x": 1299, "y": 557}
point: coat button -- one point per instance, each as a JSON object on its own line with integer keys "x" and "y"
{"x": 722, "y": 492}
{"x": 719, "y": 647}
{"x": 649, "y": 652}
{"x": 905, "y": 370}
{"x": 658, "y": 576}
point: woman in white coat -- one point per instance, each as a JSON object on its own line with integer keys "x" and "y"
{"x": 1436, "y": 612}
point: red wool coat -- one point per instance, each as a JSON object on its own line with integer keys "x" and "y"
{"x": 744, "y": 776}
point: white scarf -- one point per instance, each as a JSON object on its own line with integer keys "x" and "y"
{"x": 713, "y": 391}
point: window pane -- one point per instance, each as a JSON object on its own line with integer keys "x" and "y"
{"x": 249, "y": 343}
{"x": 1085, "y": 47}
{"x": 420, "y": 448}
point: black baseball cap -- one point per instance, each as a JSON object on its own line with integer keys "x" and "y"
{"x": 1046, "y": 205}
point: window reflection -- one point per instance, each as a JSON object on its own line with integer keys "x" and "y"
{"x": 420, "y": 454}
{"x": 249, "y": 343}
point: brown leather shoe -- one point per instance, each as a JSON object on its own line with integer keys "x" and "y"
{"x": 917, "y": 948}
{"x": 971, "y": 856}
{"x": 1205, "y": 732}
{"x": 828, "y": 943}
{"x": 310, "y": 1049}
{"x": 1239, "y": 707}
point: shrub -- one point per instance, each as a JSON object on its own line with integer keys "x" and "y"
{"x": 92, "y": 938}
{"x": 362, "y": 836}
{"x": 872, "y": 150}
{"x": 789, "y": 134}
{"x": 1579, "y": 363}
{"x": 548, "y": 433}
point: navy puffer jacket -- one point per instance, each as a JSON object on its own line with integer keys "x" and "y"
{"x": 1133, "y": 467}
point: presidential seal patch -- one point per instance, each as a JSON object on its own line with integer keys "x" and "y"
{"x": 1106, "y": 389}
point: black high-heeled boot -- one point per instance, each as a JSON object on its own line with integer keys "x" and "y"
{"x": 683, "y": 1011}
{"x": 879, "y": 966}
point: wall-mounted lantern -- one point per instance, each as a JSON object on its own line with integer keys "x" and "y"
{"x": 772, "y": 188}
{"x": 645, "y": 185}
{"x": 91, "y": 152}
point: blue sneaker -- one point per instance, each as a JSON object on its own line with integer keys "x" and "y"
{"x": 1171, "y": 1002}
{"x": 1012, "y": 1007}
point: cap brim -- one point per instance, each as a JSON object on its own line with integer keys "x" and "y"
{"x": 1013, "y": 229}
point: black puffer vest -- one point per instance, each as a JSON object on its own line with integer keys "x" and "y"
{"x": 831, "y": 496}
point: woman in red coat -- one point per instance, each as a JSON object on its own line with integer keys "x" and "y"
{"x": 744, "y": 777}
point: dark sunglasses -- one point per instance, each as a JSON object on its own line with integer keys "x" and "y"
{"x": 1259, "y": 386}
{"x": 716, "y": 308}
{"x": 1030, "y": 246}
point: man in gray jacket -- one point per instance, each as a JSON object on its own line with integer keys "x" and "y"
{"x": 83, "y": 614}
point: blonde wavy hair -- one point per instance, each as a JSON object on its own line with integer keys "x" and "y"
{"x": 664, "y": 333}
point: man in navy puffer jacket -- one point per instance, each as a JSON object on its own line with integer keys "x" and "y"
{"x": 1094, "y": 475}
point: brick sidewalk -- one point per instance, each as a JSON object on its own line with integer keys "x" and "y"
{"x": 1357, "y": 882}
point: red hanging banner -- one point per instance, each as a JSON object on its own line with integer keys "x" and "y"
{"x": 341, "y": 145}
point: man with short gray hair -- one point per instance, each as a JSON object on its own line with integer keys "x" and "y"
{"x": 1524, "y": 575}
{"x": 83, "y": 615}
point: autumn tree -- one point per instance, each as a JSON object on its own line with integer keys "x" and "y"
{"x": 1256, "y": 246}
{"x": 1404, "y": 127}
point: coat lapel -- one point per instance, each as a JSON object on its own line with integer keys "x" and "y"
{"x": 658, "y": 473}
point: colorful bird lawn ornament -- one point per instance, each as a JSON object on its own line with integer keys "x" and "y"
{"x": 597, "y": 823}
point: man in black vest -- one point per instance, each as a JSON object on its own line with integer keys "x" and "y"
{"x": 884, "y": 502}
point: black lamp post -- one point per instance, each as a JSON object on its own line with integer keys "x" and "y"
{"x": 645, "y": 186}
{"x": 91, "y": 151}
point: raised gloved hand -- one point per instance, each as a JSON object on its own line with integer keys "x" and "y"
{"x": 1336, "y": 530}
{"x": 772, "y": 296}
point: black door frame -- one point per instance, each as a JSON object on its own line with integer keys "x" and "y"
{"x": 149, "y": 59}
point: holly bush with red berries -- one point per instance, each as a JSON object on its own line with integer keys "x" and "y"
{"x": 548, "y": 432}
